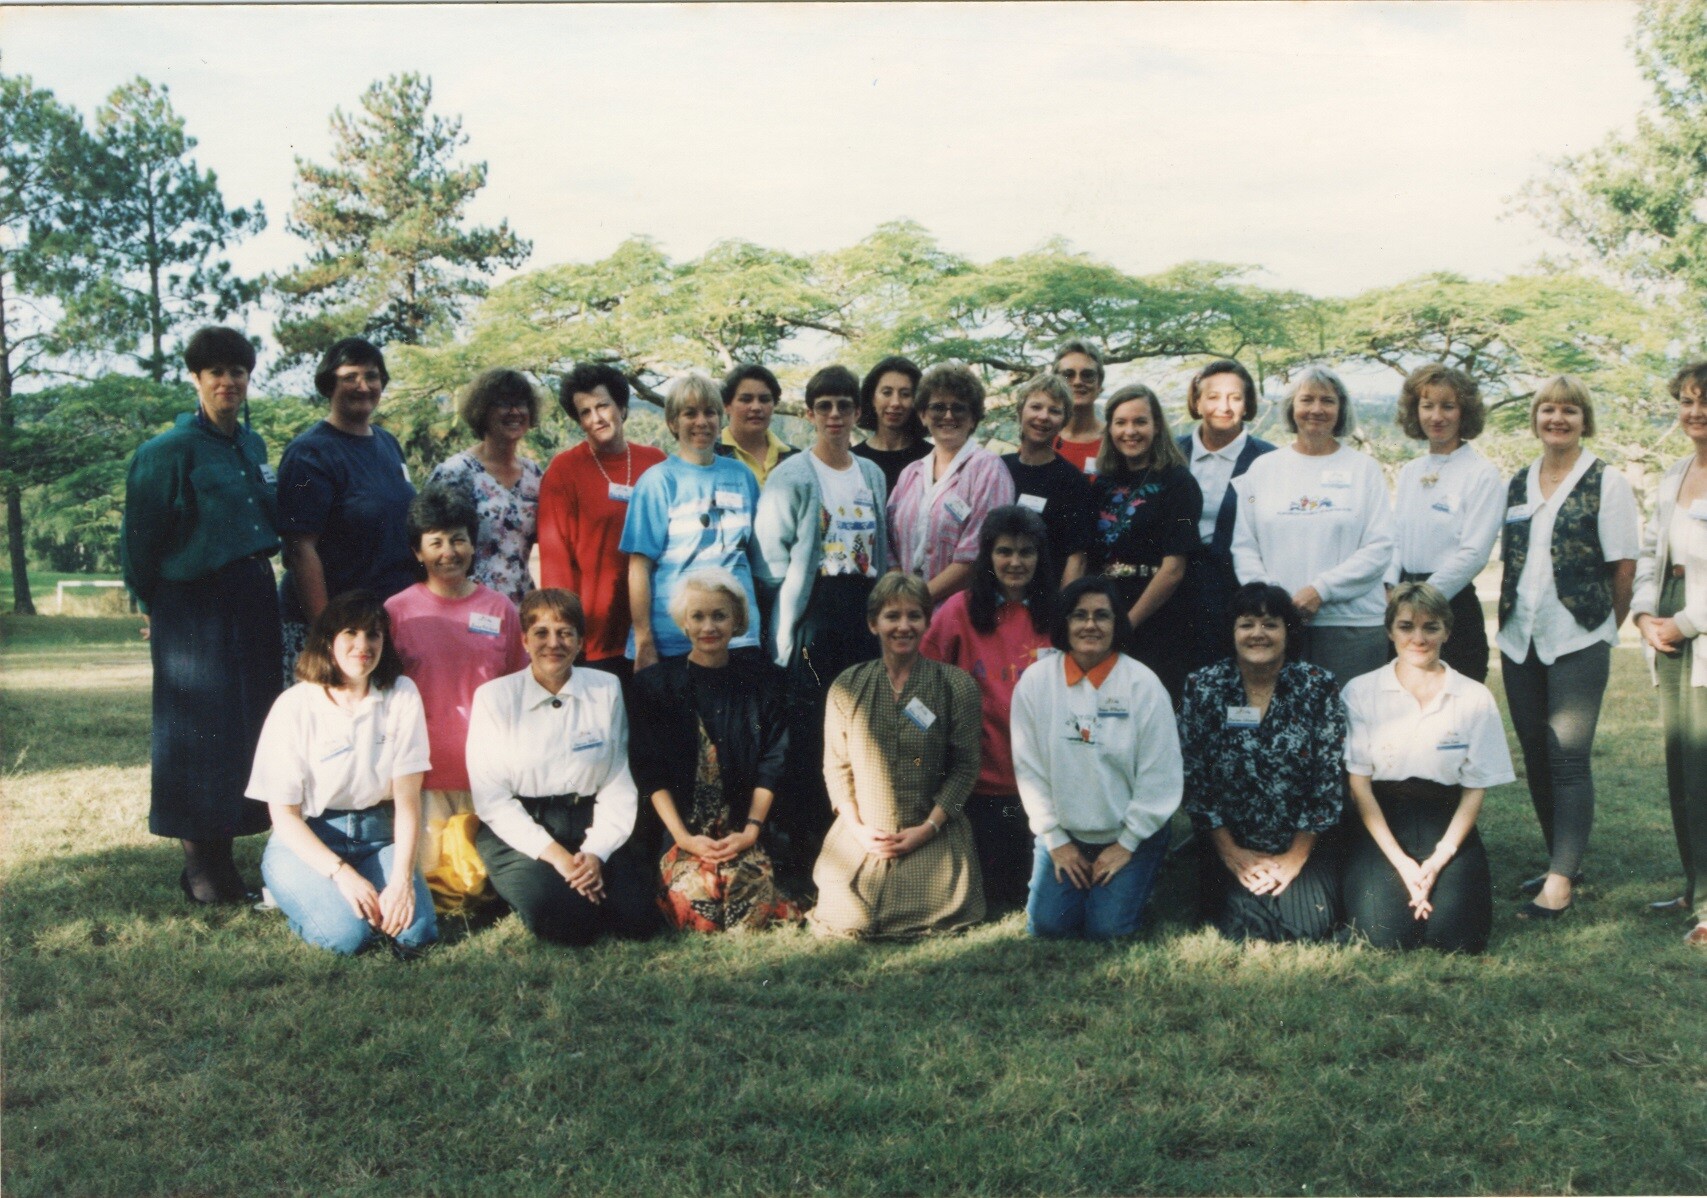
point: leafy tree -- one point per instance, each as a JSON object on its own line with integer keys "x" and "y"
{"x": 152, "y": 227}
{"x": 41, "y": 155}
{"x": 1638, "y": 203}
{"x": 391, "y": 258}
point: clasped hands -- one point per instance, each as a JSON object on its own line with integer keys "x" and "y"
{"x": 1262, "y": 873}
{"x": 1082, "y": 872}
{"x": 390, "y": 911}
{"x": 1661, "y": 633}
{"x": 580, "y": 870}
{"x": 889, "y": 846}
{"x": 720, "y": 849}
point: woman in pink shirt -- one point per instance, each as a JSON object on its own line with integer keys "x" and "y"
{"x": 453, "y": 634}
{"x": 993, "y": 630}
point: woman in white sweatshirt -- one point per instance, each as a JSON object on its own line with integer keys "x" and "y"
{"x": 1097, "y": 760}
{"x": 1314, "y": 519}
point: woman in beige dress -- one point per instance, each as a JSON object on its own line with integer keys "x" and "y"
{"x": 900, "y": 758}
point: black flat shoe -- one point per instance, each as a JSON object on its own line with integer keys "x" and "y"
{"x": 1536, "y": 913}
{"x": 190, "y": 891}
{"x": 1669, "y": 906}
{"x": 1532, "y": 886}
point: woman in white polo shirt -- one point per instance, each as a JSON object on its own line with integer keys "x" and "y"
{"x": 1426, "y": 743}
{"x": 339, "y": 766}
{"x": 1314, "y": 518}
{"x": 548, "y": 766}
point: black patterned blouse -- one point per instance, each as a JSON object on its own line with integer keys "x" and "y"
{"x": 1267, "y": 783}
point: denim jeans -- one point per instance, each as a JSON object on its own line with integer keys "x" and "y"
{"x": 1058, "y": 910}
{"x": 317, "y": 909}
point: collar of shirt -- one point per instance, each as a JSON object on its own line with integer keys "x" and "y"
{"x": 774, "y": 447}
{"x": 1098, "y": 674}
{"x": 1453, "y": 686}
{"x": 534, "y": 695}
{"x": 199, "y": 420}
{"x": 965, "y": 451}
{"x": 1585, "y": 459}
{"x": 1229, "y": 451}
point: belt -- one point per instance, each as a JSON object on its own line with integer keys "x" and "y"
{"x": 1677, "y": 571}
{"x": 537, "y": 803}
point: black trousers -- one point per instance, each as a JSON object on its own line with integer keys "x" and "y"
{"x": 1002, "y": 833}
{"x": 551, "y": 908}
{"x": 1377, "y": 904}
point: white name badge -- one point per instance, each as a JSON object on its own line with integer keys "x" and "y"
{"x": 1035, "y": 502}
{"x": 957, "y": 507}
{"x": 864, "y": 498}
{"x": 1452, "y": 742}
{"x": 620, "y": 492}
{"x": 730, "y": 501}
{"x": 921, "y": 715}
{"x": 269, "y": 475}
{"x": 1697, "y": 510}
{"x": 1243, "y": 717}
{"x": 1336, "y": 478}
{"x": 1446, "y": 505}
{"x": 1090, "y": 465}
{"x": 588, "y": 743}
{"x": 1517, "y": 513}
{"x": 485, "y": 623}
{"x": 1112, "y": 711}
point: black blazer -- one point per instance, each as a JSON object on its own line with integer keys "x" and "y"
{"x": 663, "y": 739}
{"x": 1220, "y": 546}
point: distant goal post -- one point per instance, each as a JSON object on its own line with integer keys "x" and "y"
{"x": 104, "y": 597}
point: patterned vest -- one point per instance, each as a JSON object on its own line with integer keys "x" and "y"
{"x": 1579, "y": 565}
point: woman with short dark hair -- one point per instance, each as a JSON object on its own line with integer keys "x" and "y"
{"x": 339, "y": 766}
{"x": 199, "y": 530}
{"x": 344, "y": 494}
{"x": 1263, "y": 734}
{"x": 500, "y": 407}
{"x": 886, "y": 411}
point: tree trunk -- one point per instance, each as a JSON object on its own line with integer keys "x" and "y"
{"x": 22, "y": 604}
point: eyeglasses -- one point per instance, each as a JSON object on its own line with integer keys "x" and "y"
{"x": 513, "y": 401}
{"x": 1089, "y": 376}
{"x": 825, "y": 407}
{"x": 1101, "y": 615}
{"x": 948, "y": 411}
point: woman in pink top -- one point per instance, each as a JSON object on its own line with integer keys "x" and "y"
{"x": 453, "y": 634}
{"x": 993, "y": 630}
{"x": 940, "y": 503}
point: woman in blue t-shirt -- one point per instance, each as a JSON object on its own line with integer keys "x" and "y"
{"x": 344, "y": 495}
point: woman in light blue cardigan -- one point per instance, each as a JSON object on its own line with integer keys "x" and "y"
{"x": 824, "y": 540}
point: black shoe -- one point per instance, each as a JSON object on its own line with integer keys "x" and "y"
{"x": 190, "y": 891}
{"x": 1669, "y": 906}
{"x": 1532, "y": 886}
{"x": 1536, "y": 913}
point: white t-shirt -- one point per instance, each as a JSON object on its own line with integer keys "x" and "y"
{"x": 1323, "y": 522}
{"x": 1538, "y": 618}
{"x": 1447, "y": 517}
{"x": 316, "y": 755}
{"x": 1457, "y": 740}
{"x": 847, "y": 522}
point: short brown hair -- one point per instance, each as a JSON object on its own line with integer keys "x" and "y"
{"x": 1164, "y": 450}
{"x": 1222, "y": 366}
{"x": 491, "y": 387}
{"x": 1695, "y": 372}
{"x": 565, "y": 605}
{"x": 361, "y": 611}
{"x": 1471, "y": 414}
{"x": 1419, "y": 596}
{"x": 1045, "y": 382}
{"x": 893, "y": 586}
{"x": 954, "y": 380}
{"x": 1564, "y": 388}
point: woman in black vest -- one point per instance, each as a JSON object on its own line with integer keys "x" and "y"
{"x": 1569, "y": 547}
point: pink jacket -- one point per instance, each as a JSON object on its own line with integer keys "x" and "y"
{"x": 979, "y": 482}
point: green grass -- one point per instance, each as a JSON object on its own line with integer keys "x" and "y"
{"x": 154, "y": 1048}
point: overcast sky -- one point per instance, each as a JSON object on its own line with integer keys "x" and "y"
{"x": 1338, "y": 146}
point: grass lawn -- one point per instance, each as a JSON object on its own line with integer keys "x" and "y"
{"x": 155, "y": 1048}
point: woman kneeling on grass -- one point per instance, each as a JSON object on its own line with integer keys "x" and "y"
{"x": 548, "y": 764}
{"x": 1426, "y": 742}
{"x": 710, "y": 761}
{"x": 339, "y": 766}
{"x": 1097, "y": 759}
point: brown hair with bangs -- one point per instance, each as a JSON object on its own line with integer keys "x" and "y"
{"x": 1471, "y": 414}
{"x": 357, "y": 611}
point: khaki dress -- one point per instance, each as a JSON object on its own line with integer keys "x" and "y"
{"x": 880, "y": 764}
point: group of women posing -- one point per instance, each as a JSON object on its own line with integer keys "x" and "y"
{"x": 831, "y": 676}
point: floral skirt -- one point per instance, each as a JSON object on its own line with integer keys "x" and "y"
{"x": 712, "y": 896}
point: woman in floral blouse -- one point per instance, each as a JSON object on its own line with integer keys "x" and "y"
{"x": 1263, "y": 736}
{"x": 501, "y": 408}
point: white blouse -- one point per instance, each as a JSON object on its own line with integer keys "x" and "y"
{"x": 321, "y": 757}
{"x": 1538, "y": 618}
{"x": 1457, "y": 740}
{"x": 1447, "y": 517}
{"x": 525, "y": 742}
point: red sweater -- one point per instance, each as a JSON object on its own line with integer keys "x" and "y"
{"x": 580, "y": 526}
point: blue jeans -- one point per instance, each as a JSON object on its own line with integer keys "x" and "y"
{"x": 1058, "y": 910}
{"x": 317, "y": 909}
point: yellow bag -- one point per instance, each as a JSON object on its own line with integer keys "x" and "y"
{"x": 453, "y": 869}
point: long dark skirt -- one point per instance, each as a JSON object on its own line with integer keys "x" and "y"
{"x": 1376, "y": 902}
{"x": 1306, "y": 910}
{"x": 832, "y": 635}
{"x": 1466, "y": 650}
{"x": 215, "y": 645}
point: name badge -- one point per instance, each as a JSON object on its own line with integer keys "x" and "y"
{"x": 1336, "y": 478}
{"x": 1697, "y": 510}
{"x": 730, "y": 501}
{"x": 1035, "y": 502}
{"x": 864, "y": 498}
{"x": 921, "y": 715}
{"x": 269, "y": 475}
{"x": 404, "y": 466}
{"x": 588, "y": 743}
{"x": 1112, "y": 711}
{"x": 485, "y": 623}
{"x": 1446, "y": 505}
{"x": 1243, "y": 717}
{"x": 957, "y": 507}
{"x": 1090, "y": 465}
{"x": 620, "y": 492}
{"x": 1452, "y": 742}
{"x": 1517, "y": 513}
